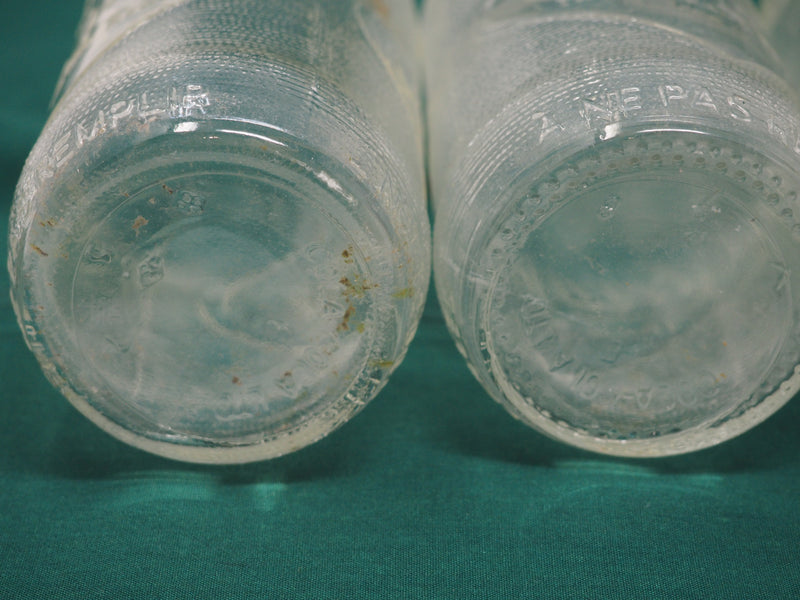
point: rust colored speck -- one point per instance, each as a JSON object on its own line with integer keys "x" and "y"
{"x": 381, "y": 8}
{"x": 347, "y": 255}
{"x": 343, "y": 326}
{"x": 140, "y": 221}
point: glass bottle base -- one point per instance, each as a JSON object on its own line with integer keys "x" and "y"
{"x": 233, "y": 301}
{"x": 640, "y": 297}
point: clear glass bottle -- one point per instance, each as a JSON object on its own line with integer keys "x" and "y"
{"x": 219, "y": 247}
{"x": 781, "y": 23}
{"x": 617, "y": 226}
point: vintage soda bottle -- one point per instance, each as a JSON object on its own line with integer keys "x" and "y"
{"x": 219, "y": 246}
{"x": 617, "y": 226}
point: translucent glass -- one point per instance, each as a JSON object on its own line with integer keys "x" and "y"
{"x": 219, "y": 246}
{"x": 781, "y": 20}
{"x": 617, "y": 226}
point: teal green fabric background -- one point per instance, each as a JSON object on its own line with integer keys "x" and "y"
{"x": 433, "y": 491}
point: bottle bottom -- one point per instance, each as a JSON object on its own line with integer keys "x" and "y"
{"x": 224, "y": 304}
{"x": 642, "y": 297}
